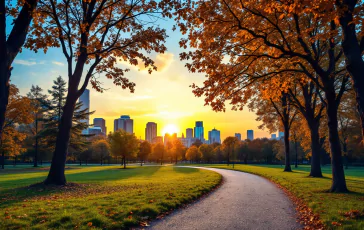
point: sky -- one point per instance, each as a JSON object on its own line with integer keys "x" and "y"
{"x": 163, "y": 97}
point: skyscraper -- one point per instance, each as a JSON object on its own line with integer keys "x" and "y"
{"x": 199, "y": 134}
{"x": 125, "y": 123}
{"x": 189, "y": 133}
{"x": 238, "y": 136}
{"x": 280, "y": 135}
{"x": 273, "y": 136}
{"x": 85, "y": 100}
{"x": 100, "y": 122}
{"x": 214, "y": 136}
{"x": 150, "y": 131}
{"x": 250, "y": 134}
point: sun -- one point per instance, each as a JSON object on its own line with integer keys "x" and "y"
{"x": 170, "y": 128}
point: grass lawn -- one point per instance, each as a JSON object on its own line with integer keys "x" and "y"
{"x": 331, "y": 207}
{"x": 99, "y": 196}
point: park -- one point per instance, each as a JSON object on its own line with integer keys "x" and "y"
{"x": 129, "y": 114}
{"x": 110, "y": 197}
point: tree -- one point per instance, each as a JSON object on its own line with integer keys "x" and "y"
{"x": 218, "y": 152}
{"x": 96, "y": 35}
{"x": 193, "y": 154}
{"x": 229, "y": 145}
{"x": 178, "y": 150}
{"x": 39, "y": 104}
{"x": 123, "y": 144}
{"x": 243, "y": 152}
{"x": 297, "y": 42}
{"x": 207, "y": 152}
{"x": 348, "y": 16}
{"x": 311, "y": 109}
{"x": 287, "y": 115}
{"x": 11, "y": 44}
{"x": 55, "y": 110}
{"x": 145, "y": 150}
{"x": 158, "y": 152}
{"x": 100, "y": 148}
{"x": 18, "y": 112}
{"x": 197, "y": 143}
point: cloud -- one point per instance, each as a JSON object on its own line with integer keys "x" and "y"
{"x": 24, "y": 62}
{"x": 58, "y": 63}
{"x": 162, "y": 61}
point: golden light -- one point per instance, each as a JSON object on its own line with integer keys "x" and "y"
{"x": 170, "y": 128}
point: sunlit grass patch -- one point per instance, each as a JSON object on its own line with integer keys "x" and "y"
{"x": 101, "y": 197}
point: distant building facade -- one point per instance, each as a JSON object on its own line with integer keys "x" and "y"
{"x": 150, "y": 131}
{"x": 125, "y": 123}
{"x": 250, "y": 134}
{"x": 273, "y": 136}
{"x": 95, "y": 131}
{"x": 238, "y": 136}
{"x": 189, "y": 133}
{"x": 280, "y": 135}
{"x": 214, "y": 136}
{"x": 85, "y": 100}
{"x": 199, "y": 132}
{"x": 100, "y": 122}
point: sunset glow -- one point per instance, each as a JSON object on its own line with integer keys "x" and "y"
{"x": 170, "y": 128}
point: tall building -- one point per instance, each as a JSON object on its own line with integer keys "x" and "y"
{"x": 250, "y": 134}
{"x": 280, "y": 135}
{"x": 150, "y": 131}
{"x": 100, "y": 122}
{"x": 189, "y": 133}
{"x": 85, "y": 100}
{"x": 199, "y": 134}
{"x": 214, "y": 136}
{"x": 125, "y": 123}
{"x": 273, "y": 136}
{"x": 238, "y": 136}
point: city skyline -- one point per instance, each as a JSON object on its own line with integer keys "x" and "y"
{"x": 151, "y": 130}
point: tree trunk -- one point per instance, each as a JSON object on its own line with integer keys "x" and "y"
{"x": 316, "y": 151}
{"x": 4, "y": 91}
{"x": 36, "y": 142}
{"x": 353, "y": 54}
{"x": 287, "y": 167}
{"x": 295, "y": 146}
{"x": 124, "y": 160}
{"x": 10, "y": 48}
{"x": 56, "y": 173}
{"x": 3, "y": 159}
{"x": 338, "y": 176}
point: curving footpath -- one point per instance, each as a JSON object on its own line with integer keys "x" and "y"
{"x": 244, "y": 201}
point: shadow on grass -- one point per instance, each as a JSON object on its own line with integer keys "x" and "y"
{"x": 185, "y": 170}
{"x": 29, "y": 188}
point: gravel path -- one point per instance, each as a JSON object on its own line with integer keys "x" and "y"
{"x": 244, "y": 201}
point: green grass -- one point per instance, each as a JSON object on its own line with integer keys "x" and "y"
{"x": 331, "y": 207}
{"x": 104, "y": 196}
